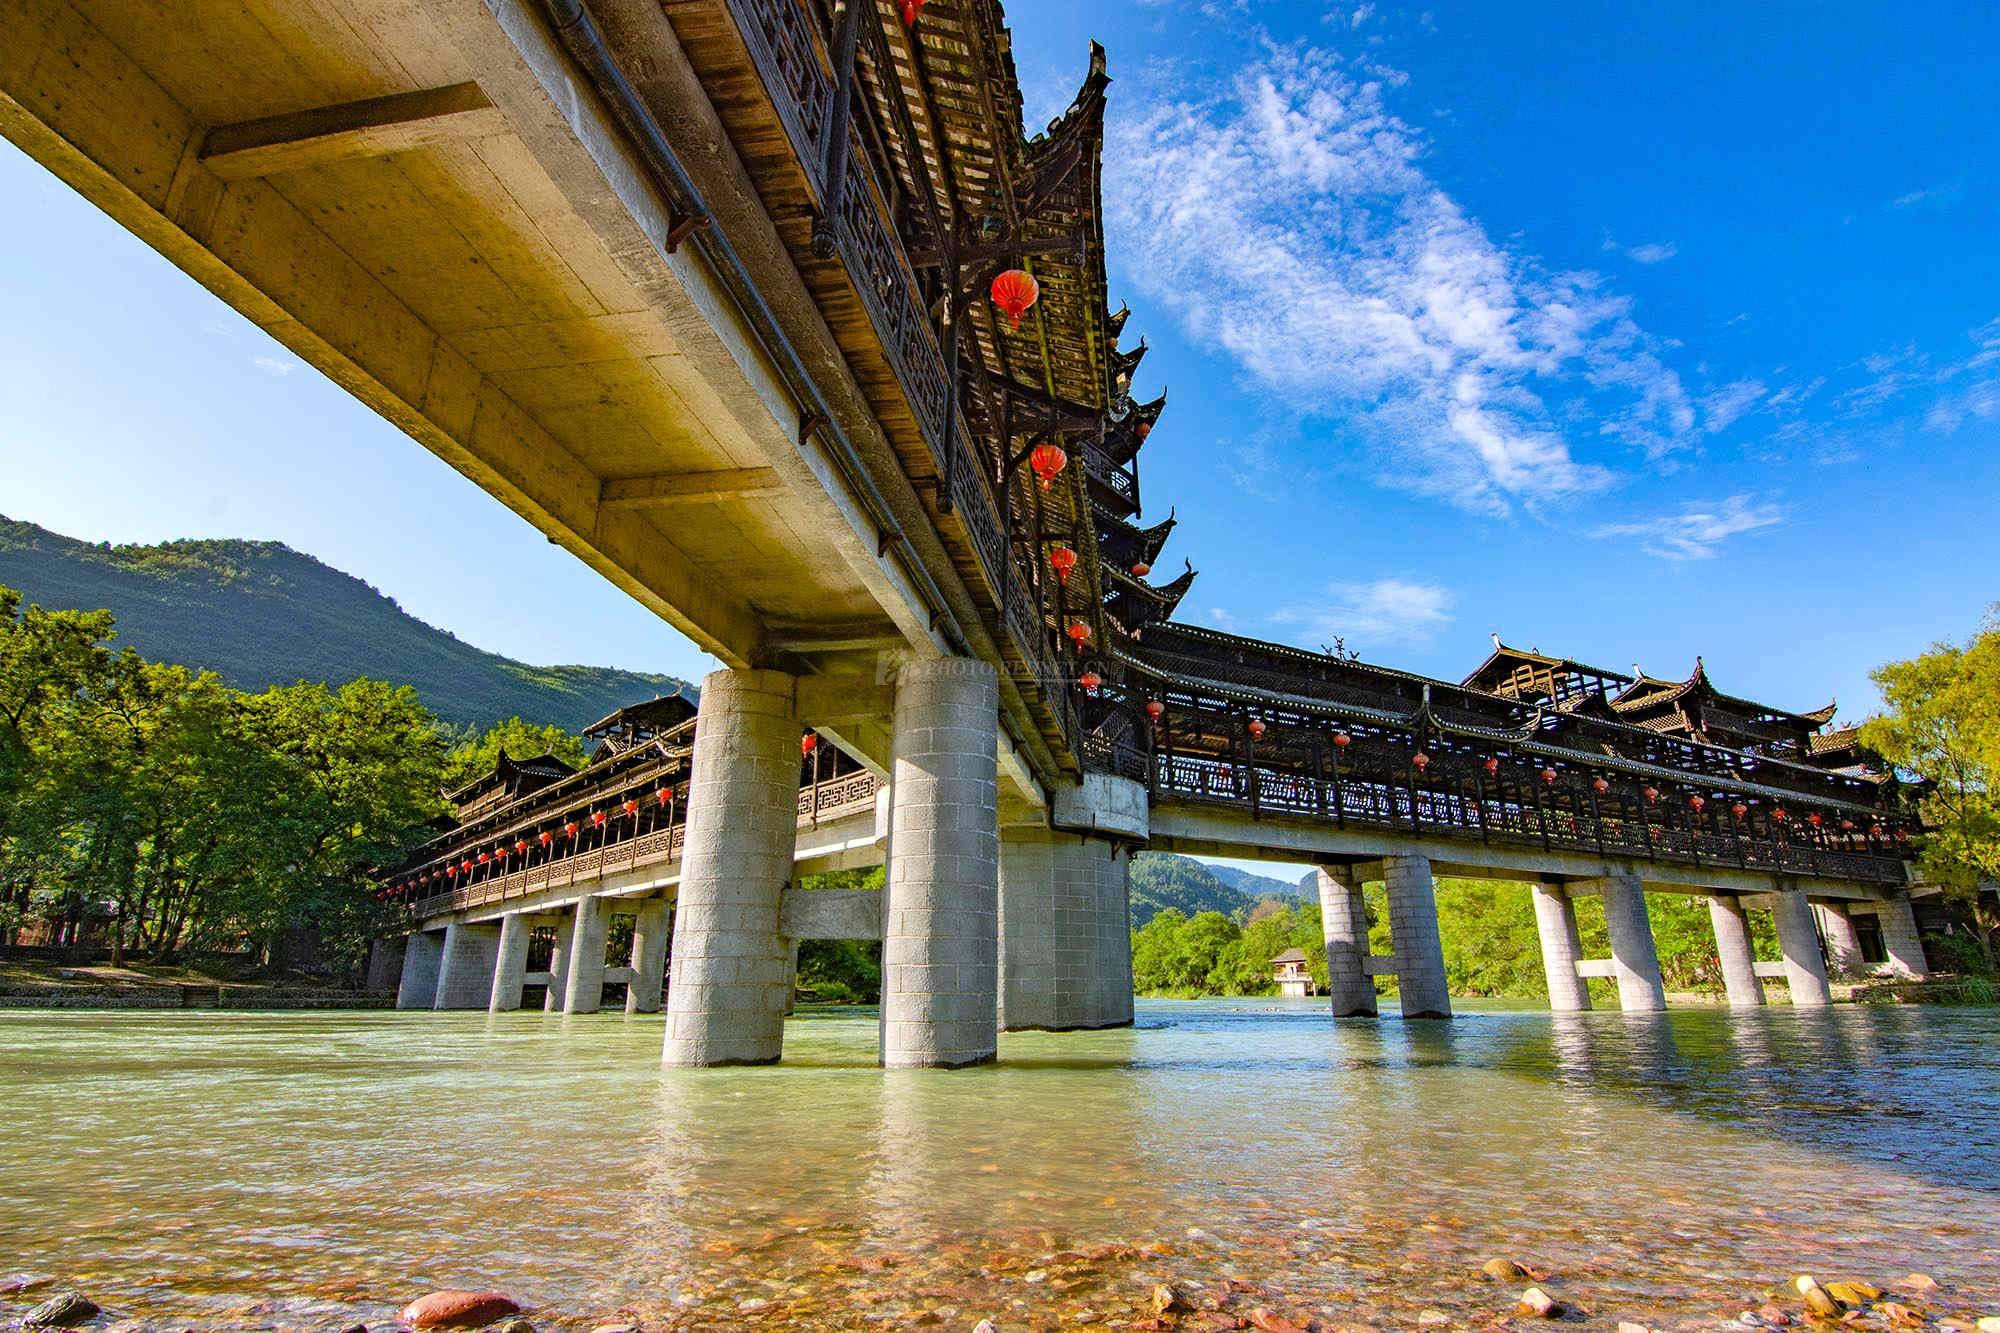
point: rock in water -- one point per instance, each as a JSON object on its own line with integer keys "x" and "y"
{"x": 1538, "y": 1303}
{"x": 1917, "y": 1282}
{"x": 1502, "y": 1270}
{"x": 1990, "y": 1324}
{"x": 1166, "y": 1300}
{"x": 65, "y": 1309}
{"x": 1273, "y": 1323}
{"x": 1853, "y": 1293}
{"x": 458, "y": 1309}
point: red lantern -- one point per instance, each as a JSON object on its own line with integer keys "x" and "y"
{"x": 1140, "y": 570}
{"x": 1046, "y": 460}
{"x": 484, "y": 858}
{"x": 1064, "y": 560}
{"x": 663, "y": 795}
{"x": 1421, "y": 760}
{"x": 1874, "y": 830}
{"x": 1695, "y": 803}
{"x": 521, "y": 846}
{"x": 1847, "y": 826}
{"x": 631, "y": 807}
{"x": 1341, "y": 740}
{"x": 1600, "y": 784}
{"x": 1780, "y": 815}
{"x": 1014, "y": 291}
{"x": 465, "y": 866}
{"x": 570, "y": 828}
{"x": 545, "y": 837}
{"x": 1257, "y": 728}
{"x": 912, "y": 8}
{"x": 1079, "y": 634}
{"x": 1739, "y": 810}
{"x": 1814, "y": 819}
{"x": 1492, "y": 765}
{"x": 1549, "y": 776}
{"x": 451, "y": 871}
{"x": 808, "y": 743}
{"x": 597, "y": 818}
{"x": 1090, "y": 680}
{"x": 1155, "y": 709}
{"x": 1652, "y": 794}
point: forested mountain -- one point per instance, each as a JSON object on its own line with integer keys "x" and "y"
{"x": 1161, "y": 880}
{"x": 1262, "y": 886}
{"x": 260, "y": 613}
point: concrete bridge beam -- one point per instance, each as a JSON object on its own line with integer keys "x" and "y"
{"x": 1798, "y": 940}
{"x": 940, "y": 951}
{"x": 1344, "y": 917}
{"x": 583, "y": 992}
{"x": 1555, "y": 922}
{"x": 1635, "y": 961}
{"x": 510, "y": 968}
{"x": 1732, "y": 944}
{"x": 1900, "y": 938}
{"x": 1843, "y": 942}
{"x": 731, "y": 972}
{"x": 418, "y": 987}
{"x": 465, "y": 966}
{"x": 1413, "y": 928}
{"x": 649, "y": 957}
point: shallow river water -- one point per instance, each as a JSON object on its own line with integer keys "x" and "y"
{"x": 217, "y": 1170}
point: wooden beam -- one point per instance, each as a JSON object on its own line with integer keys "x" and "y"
{"x": 368, "y": 128}
{"x": 736, "y": 483}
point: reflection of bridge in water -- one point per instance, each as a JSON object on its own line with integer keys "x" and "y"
{"x": 770, "y": 312}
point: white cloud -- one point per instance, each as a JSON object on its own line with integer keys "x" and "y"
{"x": 1699, "y": 528}
{"x": 1938, "y": 196}
{"x": 276, "y": 366}
{"x": 1653, "y": 252}
{"x": 1388, "y": 610}
{"x": 1289, "y": 223}
{"x": 1723, "y": 407}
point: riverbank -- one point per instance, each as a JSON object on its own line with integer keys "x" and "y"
{"x": 44, "y": 984}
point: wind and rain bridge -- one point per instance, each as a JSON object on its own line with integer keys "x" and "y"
{"x": 773, "y": 313}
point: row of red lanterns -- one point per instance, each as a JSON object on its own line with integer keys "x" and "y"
{"x": 500, "y": 852}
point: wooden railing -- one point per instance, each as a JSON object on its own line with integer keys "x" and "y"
{"x": 1484, "y": 813}
{"x": 835, "y": 798}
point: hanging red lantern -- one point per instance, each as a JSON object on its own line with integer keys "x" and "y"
{"x": 1341, "y": 740}
{"x": 1420, "y": 761}
{"x": 1155, "y": 709}
{"x": 1847, "y": 826}
{"x": 1257, "y": 728}
{"x": 521, "y": 846}
{"x": 1064, "y": 560}
{"x": 1652, "y": 795}
{"x": 570, "y": 828}
{"x": 808, "y": 743}
{"x": 1090, "y": 680}
{"x": 465, "y": 866}
{"x": 597, "y": 818}
{"x": 1079, "y": 634}
{"x": 1739, "y": 810}
{"x": 1695, "y": 803}
{"x": 545, "y": 837}
{"x": 1549, "y": 776}
{"x": 1874, "y": 830}
{"x": 1600, "y": 784}
{"x": 452, "y": 871}
{"x": 1814, "y": 819}
{"x": 1014, "y": 291}
{"x": 631, "y": 807}
{"x": 1046, "y": 461}
{"x": 662, "y": 796}
{"x": 1140, "y": 570}
{"x": 912, "y": 8}
{"x": 1780, "y": 815}
{"x": 1491, "y": 764}
{"x": 484, "y": 858}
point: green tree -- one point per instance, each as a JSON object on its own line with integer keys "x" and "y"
{"x": 1941, "y": 722}
{"x": 476, "y": 755}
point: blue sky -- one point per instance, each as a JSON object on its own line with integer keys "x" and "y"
{"x": 1641, "y": 333}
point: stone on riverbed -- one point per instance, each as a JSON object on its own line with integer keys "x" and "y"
{"x": 458, "y": 1309}
{"x": 1502, "y": 1270}
{"x": 1538, "y": 1303}
{"x": 65, "y": 1309}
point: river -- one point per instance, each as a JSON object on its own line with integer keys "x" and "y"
{"x": 235, "y": 1170}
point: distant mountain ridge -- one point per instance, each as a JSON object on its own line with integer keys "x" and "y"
{"x": 260, "y": 613}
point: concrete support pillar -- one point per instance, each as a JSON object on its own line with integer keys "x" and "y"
{"x": 1344, "y": 916}
{"x": 1633, "y": 958}
{"x": 418, "y": 987}
{"x": 559, "y": 957}
{"x": 1843, "y": 944}
{"x": 1798, "y": 940}
{"x": 465, "y": 968}
{"x": 385, "y": 962}
{"x": 1555, "y": 922}
{"x": 1413, "y": 929}
{"x": 510, "y": 965}
{"x": 940, "y": 948}
{"x": 1065, "y": 932}
{"x": 731, "y": 972}
{"x": 584, "y": 991}
{"x": 649, "y": 957}
{"x": 1732, "y": 945}
{"x": 1900, "y": 939}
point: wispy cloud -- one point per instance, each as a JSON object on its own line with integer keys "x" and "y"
{"x": 1698, "y": 528}
{"x": 1935, "y": 196}
{"x": 1652, "y": 252}
{"x": 1287, "y": 221}
{"x": 275, "y": 366}
{"x": 1390, "y": 610}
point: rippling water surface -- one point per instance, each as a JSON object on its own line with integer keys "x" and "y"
{"x": 310, "y": 1170}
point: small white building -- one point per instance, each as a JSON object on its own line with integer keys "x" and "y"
{"x": 1293, "y": 977}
